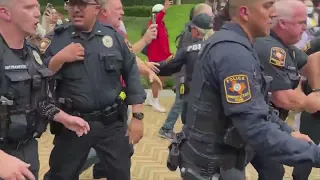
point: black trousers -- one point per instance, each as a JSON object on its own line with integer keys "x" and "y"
{"x": 28, "y": 153}
{"x": 70, "y": 152}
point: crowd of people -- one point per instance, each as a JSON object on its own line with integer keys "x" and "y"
{"x": 240, "y": 67}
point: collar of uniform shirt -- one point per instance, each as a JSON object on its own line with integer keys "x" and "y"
{"x": 235, "y": 27}
{"x": 96, "y": 30}
{"x": 273, "y": 34}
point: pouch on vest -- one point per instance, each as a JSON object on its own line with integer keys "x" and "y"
{"x": 233, "y": 138}
{"x": 17, "y": 128}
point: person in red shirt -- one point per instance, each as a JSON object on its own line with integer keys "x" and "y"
{"x": 159, "y": 50}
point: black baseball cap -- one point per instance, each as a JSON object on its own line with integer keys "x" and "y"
{"x": 203, "y": 21}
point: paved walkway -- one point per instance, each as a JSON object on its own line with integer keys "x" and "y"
{"x": 149, "y": 160}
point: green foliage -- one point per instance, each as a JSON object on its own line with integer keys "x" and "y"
{"x": 127, "y": 2}
{"x": 54, "y": 2}
{"x": 168, "y": 83}
{"x": 153, "y": 2}
{"x": 138, "y": 11}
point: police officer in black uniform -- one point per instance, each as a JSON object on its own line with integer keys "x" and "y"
{"x": 25, "y": 103}
{"x": 201, "y": 26}
{"x": 89, "y": 58}
{"x": 284, "y": 62}
{"x": 227, "y": 108}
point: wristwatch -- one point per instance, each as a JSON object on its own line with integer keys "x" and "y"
{"x": 138, "y": 116}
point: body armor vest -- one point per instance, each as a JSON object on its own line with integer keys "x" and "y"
{"x": 24, "y": 81}
{"x": 205, "y": 115}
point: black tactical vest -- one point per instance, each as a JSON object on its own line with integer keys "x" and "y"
{"x": 205, "y": 115}
{"x": 24, "y": 80}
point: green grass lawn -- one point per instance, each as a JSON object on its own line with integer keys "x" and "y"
{"x": 176, "y": 18}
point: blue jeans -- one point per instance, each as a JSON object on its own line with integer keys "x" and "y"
{"x": 174, "y": 113}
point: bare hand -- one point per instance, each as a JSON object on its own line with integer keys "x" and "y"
{"x": 13, "y": 168}
{"x": 312, "y": 102}
{"x": 135, "y": 131}
{"x": 77, "y": 124}
{"x": 154, "y": 78}
{"x": 304, "y": 137}
{"x": 153, "y": 66}
{"x": 150, "y": 34}
{"x": 72, "y": 52}
{"x": 167, "y": 4}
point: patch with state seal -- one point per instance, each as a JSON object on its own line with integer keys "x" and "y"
{"x": 44, "y": 44}
{"x": 237, "y": 89}
{"x": 307, "y": 47}
{"x": 278, "y": 56}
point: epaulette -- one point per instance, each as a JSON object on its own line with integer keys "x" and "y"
{"x": 29, "y": 44}
{"x": 61, "y": 28}
{"x": 108, "y": 26}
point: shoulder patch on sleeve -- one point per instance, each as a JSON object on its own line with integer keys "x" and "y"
{"x": 307, "y": 47}
{"x": 129, "y": 45}
{"x": 44, "y": 44}
{"x": 278, "y": 56}
{"x": 237, "y": 89}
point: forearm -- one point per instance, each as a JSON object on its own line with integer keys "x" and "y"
{"x": 2, "y": 154}
{"x": 260, "y": 135}
{"x": 55, "y": 63}
{"x": 138, "y": 46}
{"x": 290, "y": 100}
{"x": 283, "y": 125}
{"x": 137, "y": 108}
{"x": 143, "y": 68}
{"x": 312, "y": 70}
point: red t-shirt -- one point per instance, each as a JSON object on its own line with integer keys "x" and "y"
{"x": 159, "y": 48}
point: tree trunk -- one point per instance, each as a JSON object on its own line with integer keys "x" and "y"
{"x": 178, "y": 2}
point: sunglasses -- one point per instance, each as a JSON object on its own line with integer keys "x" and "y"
{"x": 80, "y": 4}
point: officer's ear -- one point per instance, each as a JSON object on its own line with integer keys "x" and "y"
{"x": 98, "y": 9}
{"x": 103, "y": 11}
{"x": 282, "y": 24}
{"x": 244, "y": 13}
{"x": 5, "y": 14}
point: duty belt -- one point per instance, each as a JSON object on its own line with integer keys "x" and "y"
{"x": 14, "y": 145}
{"x": 107, "y": 116}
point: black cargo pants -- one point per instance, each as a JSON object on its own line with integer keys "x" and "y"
{"x": 70, "y": 152}
{"x": 27, "y": 152}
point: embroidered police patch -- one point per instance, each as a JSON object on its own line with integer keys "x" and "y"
{"x": 37, "y": 57}
{"x": 237, "y": 89}
{"x": 307, "y": 47}
{"x": 44, "y": 44}
{"x": 278, "y": 56}
{"x": 107, "y": 41}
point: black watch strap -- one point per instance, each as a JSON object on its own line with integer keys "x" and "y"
{"x": 138, "y": 116}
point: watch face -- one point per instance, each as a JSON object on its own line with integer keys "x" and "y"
{"x": 138, "y": 115}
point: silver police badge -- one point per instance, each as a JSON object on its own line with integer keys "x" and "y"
{"x": 107, "y": 41}
{"x": 37, "y": 57}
